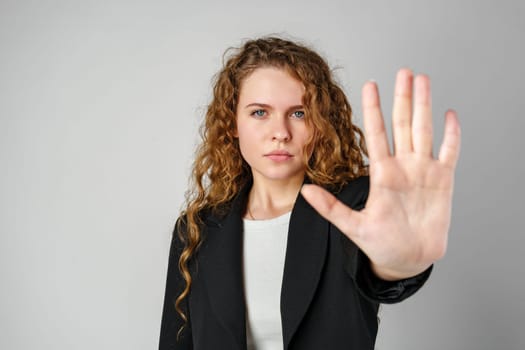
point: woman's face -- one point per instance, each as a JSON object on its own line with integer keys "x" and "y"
{"x": 270, "y": 125}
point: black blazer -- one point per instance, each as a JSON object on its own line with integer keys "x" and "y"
{"x": 329, "y": 295}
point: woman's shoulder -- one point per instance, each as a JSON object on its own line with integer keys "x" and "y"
{"x": 204, "y": 217}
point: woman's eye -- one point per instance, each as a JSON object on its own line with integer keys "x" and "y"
{"x": 258, "y": 113}
{"x": 298, "y": 114}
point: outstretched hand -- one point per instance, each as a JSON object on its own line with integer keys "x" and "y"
{"x": 404, "y": 226}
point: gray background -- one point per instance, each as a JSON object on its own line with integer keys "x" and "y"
{"x": 100, "y": 102}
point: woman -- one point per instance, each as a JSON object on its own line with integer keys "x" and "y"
{"x": 289, "y": 240}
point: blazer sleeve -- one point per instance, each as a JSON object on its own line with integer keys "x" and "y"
{"x": 171, "y": 320}
{"x": 358, "y": 266}
{"x": 386, "y": 292}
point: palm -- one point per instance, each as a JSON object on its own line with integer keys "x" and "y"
{"x": 404, "y": 226}
{"x": 407, "y": 214}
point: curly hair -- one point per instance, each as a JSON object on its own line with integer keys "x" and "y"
{"x": 333, "y": 156}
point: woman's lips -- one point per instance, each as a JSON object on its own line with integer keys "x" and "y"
{"x": 279, "y": 156}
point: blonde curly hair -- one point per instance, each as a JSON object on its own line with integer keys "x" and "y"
{"x": 337, "y": 147}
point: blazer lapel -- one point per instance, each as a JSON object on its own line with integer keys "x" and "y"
{"x": 305, "y": 258}
{"x": 220, "y": 263}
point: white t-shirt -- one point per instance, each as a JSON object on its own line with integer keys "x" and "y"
{"x": 263, "y": 258}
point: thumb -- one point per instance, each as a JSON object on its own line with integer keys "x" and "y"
{"x": 333, "y": 210}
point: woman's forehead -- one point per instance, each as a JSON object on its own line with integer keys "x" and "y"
{"x": 269, "y": 85}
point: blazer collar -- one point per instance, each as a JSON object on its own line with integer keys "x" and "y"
{"x": 221, "y": 260}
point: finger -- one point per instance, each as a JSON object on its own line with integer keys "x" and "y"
{"x": 375, "y": 134}
{"x": 402, "y": 112}
{"x": 332, "y": 209}
{"x": 449, "y": 151}
{"x": 422, "y": 123}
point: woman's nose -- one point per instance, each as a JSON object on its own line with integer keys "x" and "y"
{"x": 281, "y": 130}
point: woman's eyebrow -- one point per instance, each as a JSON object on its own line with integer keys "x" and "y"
{"x": 257, "y": 104}
{"x": 264, "y": 105}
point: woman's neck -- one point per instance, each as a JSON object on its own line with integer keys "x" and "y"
{"x": 269, "y": 199}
